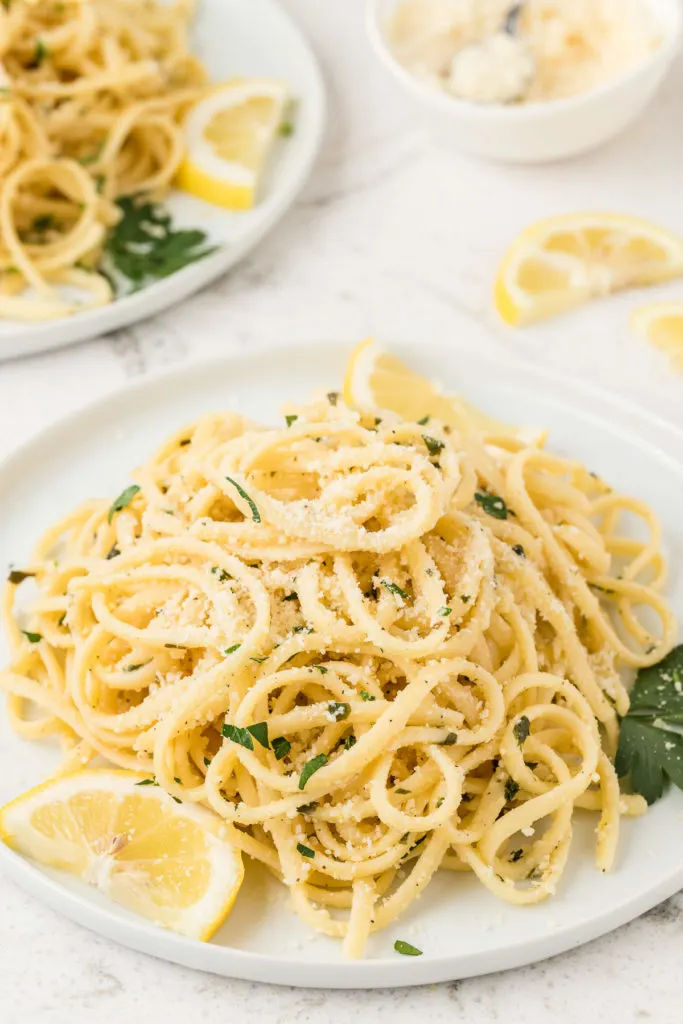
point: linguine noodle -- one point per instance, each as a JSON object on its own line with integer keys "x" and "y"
{"x": 376, "y": 648}
{"x": 92, "y": 93}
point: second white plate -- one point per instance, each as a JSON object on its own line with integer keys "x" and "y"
{"x": 462, "y": 929}
{"x": 232, "y": 38}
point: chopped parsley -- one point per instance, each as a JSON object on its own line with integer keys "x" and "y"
{"x": 444, "y": 611}
{"x": 291, "y": 419}
{"x": 350, "y": 741}
{"x": 321, "y": 669}
{"x": 522, "y": 730}
{"x": 465, "y": 598}
{"x": 311, "y": 767}
{"x": 423, "y": 422}
{"x": 492, "y": 504}
{"x": 394, "y": 588}
{"x": 305, "y": 851}
{"x": 259, "y": 661}
{"x": 260, "y": 733}
{"x": 124, "y": 499}
{"x": 33, "y": 638}
{"x": 650, "y": 742}
{"x": 40, "y": 53}
{"x": 207, "y": 761}
{"x": 406, "y": 949}
{"x": 451, "y": 740}
{"x": 338, "y": 711}
{"x": 134, "y": 668}
{"x": 147, "y": 782}
{"x": 367, "y": 696}
{"x": 281, "y": 747}
{"x": 113, "y": 552}
{"x": 255, "y": 514}
{"x": 238, "y": 735}
{"x": 221, "y": 574}
{"x": 434, "y": 446}
{"x": 519, "y": 550}
{"x": 231, "y": 650}
{"x": 511, "y": 789}
{"x": 286, "y": 129}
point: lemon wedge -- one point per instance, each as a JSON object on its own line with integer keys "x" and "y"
{"x": 561, "y": 263}
{"x": 229, "y": 135}
{"x": 661, "y": 323}
{"x": 376, "y": 379}
{"x": 170, "y": 862}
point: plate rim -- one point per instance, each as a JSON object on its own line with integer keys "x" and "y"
{"x": 364, "y": 974}
{"x": 169, "y": 292}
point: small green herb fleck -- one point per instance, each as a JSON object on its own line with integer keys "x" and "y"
{"x": 62, "y": 620}
{"x": 134, "y": 668}
{"x": 394, "y": 588}
{"x": 147, "y": 782}
{"x": 367, "y": 696}
{"x": 511, "y": 789}
{"x": 451, "y": 740}
{"x": 465, "y": 598}
{"x": 238, "y": 735}
{"x": 231, "y": 650}
{"x": 291, "y": 419}
{"x": 424, "y": 421}
{"x": 434, "y": 446}
{"x": 338, "y": 711}
{"x": 260, "y": 733}
{"x": 444, "y": 611}
{"x": 40, "y": 53}
{"x": 255, "y": 514}
{"x": 311, "y": 767}
{"x": 207, "y": 761}
{"x": 403, "y": 792}
{"x": 112, "y": 553}
{"x": 321, "y": 669}
{"x": 259, "y": 661}
{"x": 221, "y": 574}
{"x": 350, "y": 741}
{"x": 492, "y": 504}
{"x": 305, "y": 851}
{"x": 281, "y": 747}
{"x": 124, "y": 499}
{"x": 286, "y": 129}
{"x": 406, "y": 949}
{"x": 33, "y": 638}
{"x": 522, "y": 730}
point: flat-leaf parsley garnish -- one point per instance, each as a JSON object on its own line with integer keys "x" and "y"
{"x": 650, "y": 741}
{"x": 231, "y": 650}
{"x": 144, "y": 246}
{"x": 255, "y": 514}
{"x": 394, "y": 588}
{"x": 511, "y": 789}
{"x": 434, "y": 446}
{"x": 338, "y": 711}
{"x": 33, "y": 638}
{"x": 522, "y": 729}
{"x": 311, "y": 767}
{"x": 238, "y": 735}
{"x": 124, "y": 499}
{"x": 305, "y": 851}
{"x": 492, "y": 504}
{"x": 444, "y": 611}
{"x": 367, "y": 696}
{"x": 281, "y": 747}
{"x": 406, "y": 949}
{"x": 292, "y": 418}
{"x": 260, "y": 733}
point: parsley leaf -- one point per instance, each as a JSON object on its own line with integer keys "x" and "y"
{"x": 124, "y": 499}
{"x": 281, "y": 747}
{"x": 522, "y": 730}
{"x": 367, "y": 696}
{"x": 338, "y": 711}
{"x": 444, "y": 611}
{"x": 406, "y": 949}
{"x": 492, "y": 504}
{"x": 144, "y": 246}
{"x": 291, "y": 419}
{"x": 231, "y": 650}
{"x": 305, "y": 851}
{"x": 255, "y": 514}
{"x": 511, "y": 789}
{"x": 648, "y": 751}
{"x": 238, "y": 735}
{"x": 434, "y": 446}
{"x": 311, "y": 767}
{"x": 394, "y": 588}
{"x": 260, "y": 733}
{"x": 33, "y": 638}
{"x": 424, "y": 421}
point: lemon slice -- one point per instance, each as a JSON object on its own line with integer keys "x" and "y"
{"x": 661, "y": 323}
{"x": 564, "y": 262}
{"x": 169, "y": 862}
{"x": 375, "y": 379}
{"x": 229, "y": 135}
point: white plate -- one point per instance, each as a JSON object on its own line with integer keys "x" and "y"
{"x": 462, "y": 929}
{"x": 232, "y": 37}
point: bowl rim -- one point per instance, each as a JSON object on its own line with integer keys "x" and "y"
{"x": 537, "y": 109}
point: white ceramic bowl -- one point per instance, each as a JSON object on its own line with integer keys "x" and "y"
{"x": 537, "y": 132}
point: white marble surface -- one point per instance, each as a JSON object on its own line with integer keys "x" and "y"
{"x": 397, "y": 238}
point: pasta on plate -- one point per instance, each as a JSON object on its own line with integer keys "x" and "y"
{"x": 378, "y": 648}
{"x": 92, "y": 96}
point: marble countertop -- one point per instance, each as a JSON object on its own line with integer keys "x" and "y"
{"x": 396, "y": 237}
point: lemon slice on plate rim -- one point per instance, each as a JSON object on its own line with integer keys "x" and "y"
{"x": 563, "y": 262}
{"x": 229, "y": 135}
{"x": 170, "y": 862}
{"x": 375, "y": 378}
